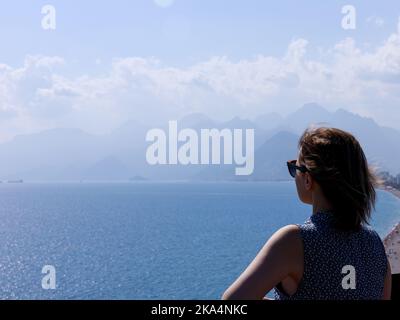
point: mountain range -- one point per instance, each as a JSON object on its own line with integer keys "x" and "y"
{"x": 72, "y": 154}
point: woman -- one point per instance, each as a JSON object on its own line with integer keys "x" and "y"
{"x": 333, "y": 255}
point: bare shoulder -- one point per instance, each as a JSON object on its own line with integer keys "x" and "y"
{"x": 289, "y": 233}
{"x": 286, "y": 240}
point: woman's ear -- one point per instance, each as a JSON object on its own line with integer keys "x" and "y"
{"x": 308, "y": 181}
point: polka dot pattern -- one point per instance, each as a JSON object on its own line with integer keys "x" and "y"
{"x": 327, "y": 250}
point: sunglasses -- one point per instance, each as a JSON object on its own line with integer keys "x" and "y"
{"x": 292, "y": 168}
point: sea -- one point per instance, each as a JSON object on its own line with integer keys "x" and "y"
{"x": 144, "y": 240}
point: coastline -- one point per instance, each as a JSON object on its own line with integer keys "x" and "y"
{"x": 392, "y": 239}
{"x": 394, "y": 191}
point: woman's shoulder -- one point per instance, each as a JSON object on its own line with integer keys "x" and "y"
{"x": 371, "y": 233}
{"x": 286, "y": 246}
{"x": 289, "y": 231}
{"x": 287, "y": 238}
{"x": 373, "y": 236}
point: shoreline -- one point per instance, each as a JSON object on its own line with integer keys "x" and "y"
{"x": 394, "y": 191}
{"x": 392, "y": 239}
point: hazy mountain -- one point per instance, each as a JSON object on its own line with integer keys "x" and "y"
{"x": 109, "y": 168}
{"x": 270, "y": 161}
{"x": 196, "y": 121}
{"x": 380, "y": 144}
{"x": 271, "y": 157}
{"x": 269, "y": 121}
{"x": 72, "y": 154}
{"x": 47, "y": 152}
{"x": 311, "y": 113}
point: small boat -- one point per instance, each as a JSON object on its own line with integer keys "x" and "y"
{"x": 15, "y": 181}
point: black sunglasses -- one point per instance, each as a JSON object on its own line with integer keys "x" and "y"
{"x": 292, "y": 168}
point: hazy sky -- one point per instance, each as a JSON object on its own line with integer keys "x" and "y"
{"x": 155, "y": 60}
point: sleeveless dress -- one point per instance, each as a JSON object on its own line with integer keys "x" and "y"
{"x": 339, "y": 265}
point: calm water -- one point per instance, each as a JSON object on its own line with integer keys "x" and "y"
{"x": 143, "y": 240}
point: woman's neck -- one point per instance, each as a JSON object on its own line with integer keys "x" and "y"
{"x": 321, "y": 209}
{"x": 320, "y": 203}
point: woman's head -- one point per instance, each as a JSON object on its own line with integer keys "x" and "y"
{"x": 338, "y": 170}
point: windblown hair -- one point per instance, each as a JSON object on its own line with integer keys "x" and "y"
{"x": 337, "y": 162}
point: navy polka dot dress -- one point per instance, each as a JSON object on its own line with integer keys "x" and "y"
{"x": 327, "y": 252}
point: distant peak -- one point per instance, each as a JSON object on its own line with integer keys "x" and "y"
{"x": 236, "y": 119}
{"x": 312, "y": 106}
{"x": 239, "y": 122}
{"x": 53, "y": 132}
{"x": 283, "y": 134}
{"x": 343, "y": 112}
{"x": 195, "y": 116}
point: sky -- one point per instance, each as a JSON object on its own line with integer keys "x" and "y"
{"x": 156, "y": 60}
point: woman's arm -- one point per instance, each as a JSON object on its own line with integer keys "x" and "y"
{"x": 387, "y": 290}
{"x": 281, "y": 256}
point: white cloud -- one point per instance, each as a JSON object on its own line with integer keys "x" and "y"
{"x": 39, "y": 95}
{"x": 164, "y": 3}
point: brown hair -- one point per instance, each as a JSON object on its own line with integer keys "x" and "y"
{"x": 337, "y": 162}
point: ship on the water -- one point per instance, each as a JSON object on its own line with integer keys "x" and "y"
{"x": 15, "y": 181}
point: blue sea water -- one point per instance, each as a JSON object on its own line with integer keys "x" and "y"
{"x": 143, "y": 240}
